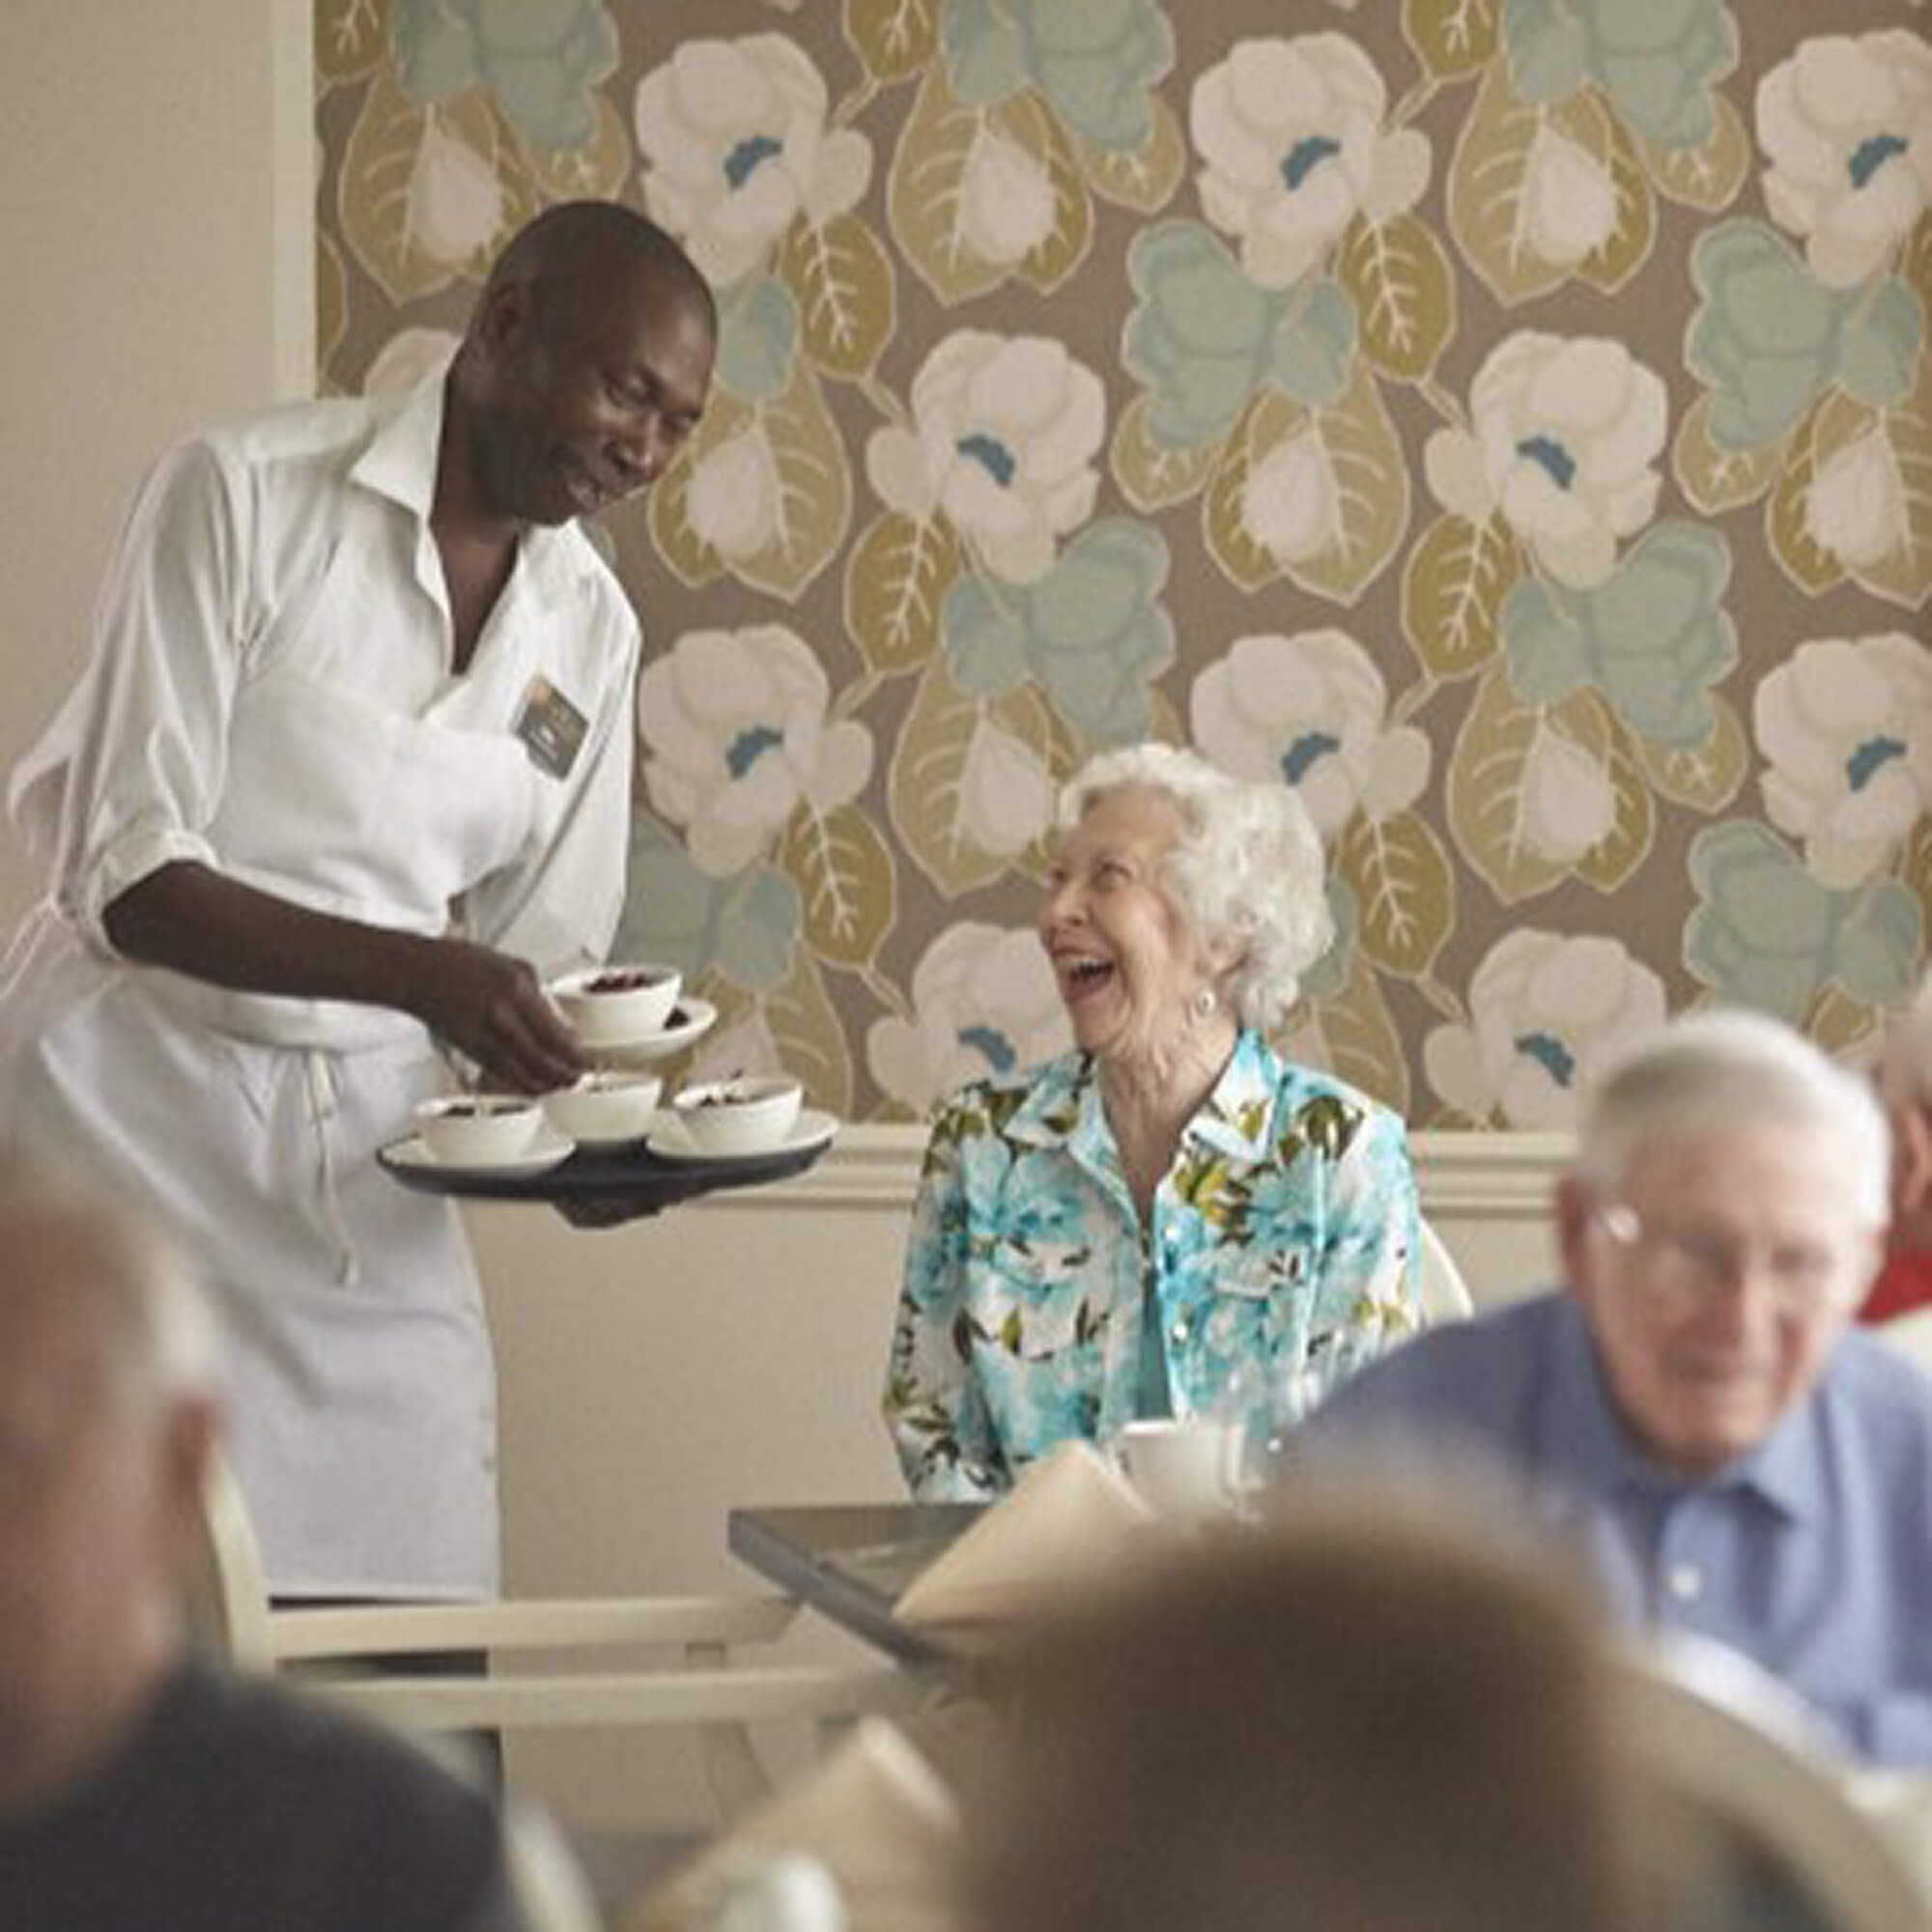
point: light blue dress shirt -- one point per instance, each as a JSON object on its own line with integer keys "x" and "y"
{"x": 1036, "y": 1307}
{"x": 1813, "y": 1555}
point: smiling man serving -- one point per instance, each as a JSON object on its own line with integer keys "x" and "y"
{"x": 348, "y": 773}
{"x": 1736, "y": 1464}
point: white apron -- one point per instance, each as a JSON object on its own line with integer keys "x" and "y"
{"x": 362, "y": 1389}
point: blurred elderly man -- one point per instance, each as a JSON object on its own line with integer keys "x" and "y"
{"x": 138, "y": 1786}
{"x": 1693, "y": 1405}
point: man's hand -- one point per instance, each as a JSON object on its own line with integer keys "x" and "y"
{"x": 491, "y": 1007}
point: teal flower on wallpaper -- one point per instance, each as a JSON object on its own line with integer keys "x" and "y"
{"x": 1654, "y": 638}
{"x": 1093, "y": 60}
{"x": 757, "y": 338}
{"x": 1312, "y": 349}
{"x": 1768, "y": 336}
{"x": 1766, "y": 934}
{"x": 1093, "y": 632}
{"x": 1658, "y": 60}
{"x": 1878, "y": 352}
{"x": 542, "y": 59}
{"x": 1203, "y": 337}
{"x": 1328, "y": 978}
{"x": 1198, "y": 337}
{"x": 745, "y": 927}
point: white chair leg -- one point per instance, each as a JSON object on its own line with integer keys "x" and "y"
{"x": 734, "y": 1774}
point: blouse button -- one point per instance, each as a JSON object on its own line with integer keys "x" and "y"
{"x": 1686, "y": 1582}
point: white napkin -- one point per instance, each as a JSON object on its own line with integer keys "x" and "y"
{"x": 1069, "y": 1518}
{"x": 872, "y": 1815}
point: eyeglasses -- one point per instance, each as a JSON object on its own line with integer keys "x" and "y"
{"x": 1685, "y": 1267}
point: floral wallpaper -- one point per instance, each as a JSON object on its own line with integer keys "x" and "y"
{"x": 1509, "y": 421}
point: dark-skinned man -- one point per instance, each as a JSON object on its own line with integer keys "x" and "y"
{"x": 348, "y": 774}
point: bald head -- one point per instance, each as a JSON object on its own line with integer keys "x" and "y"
{"x": 106, "y": 1426}
{"x": 582, "y": 246}
{"x": 71, "y": 1236}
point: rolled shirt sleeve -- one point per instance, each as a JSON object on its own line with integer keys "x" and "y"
{"x": 128, "y": 777}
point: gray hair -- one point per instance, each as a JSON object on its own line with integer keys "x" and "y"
{"x": 1905, "y": 1061}
{"x": 1728, "y": 1067}
{"x": 1246, "y": 872}
{"x": 162, "y": 1331}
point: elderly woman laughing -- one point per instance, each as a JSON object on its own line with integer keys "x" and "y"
{"x": 1171, "y": 1219}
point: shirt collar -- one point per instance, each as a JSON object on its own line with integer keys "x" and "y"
{"x": 400, "y": 460}
{"x": 1063, "y": 1108}
{"x": 1588, "y": 1447}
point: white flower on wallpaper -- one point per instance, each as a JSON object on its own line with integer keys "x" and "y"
{"x": 1856, "y": 506}
{"x": 1848, "y": 126}
{"x": 733, "y": 137}
{"x": 1288, "y": 504}
{"x": 1846, "y": 727}
{"x": 735, "y": 738}
{"x": 1310, "y": 709}
{"x": 1568, "y": 200}
{"x": 1566, "y": 803}
{"x": 733, "y": 495}
{"x": 1566, "y": 431}
{"x": 983, "y": 1002}
{"x": 409, "y": 357}
{"x": 1007, "y": 203}
{"x": 1547, "y": 1014}
{"x": 1005, "y": 432}
{"x": 454, "y": 199}
{"x": 1291, "y": 134}
{"x": 1005, "y": 792}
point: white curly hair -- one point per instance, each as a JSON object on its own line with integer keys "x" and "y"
{"x": 1246, "y": 872}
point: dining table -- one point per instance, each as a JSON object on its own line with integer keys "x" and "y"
{"x": 851, "y": 1562}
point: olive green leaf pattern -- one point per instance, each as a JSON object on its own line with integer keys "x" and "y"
{"x": 1077, "y": 357}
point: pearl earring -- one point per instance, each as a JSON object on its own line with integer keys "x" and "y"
{"x": 1204, "y": 1003}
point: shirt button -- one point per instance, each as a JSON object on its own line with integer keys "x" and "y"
{"x": 1181, "y": 1331}
{"x": 1685, "y": 1581}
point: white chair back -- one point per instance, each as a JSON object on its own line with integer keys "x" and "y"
{"x": 1445, "y": 1296}
{"x": 1792, "y": 1804}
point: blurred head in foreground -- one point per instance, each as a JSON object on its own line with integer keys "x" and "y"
{"x": 107, "y": 1418}
{"x": 1368, "y": 1715}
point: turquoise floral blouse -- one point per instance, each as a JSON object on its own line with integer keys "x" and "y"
{"x": 1284, "y": 1235}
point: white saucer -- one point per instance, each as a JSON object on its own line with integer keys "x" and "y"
{"x": 547, "y": 1149}
{"x": 640, "y": 1049}
{"x": 669, "y": 1140}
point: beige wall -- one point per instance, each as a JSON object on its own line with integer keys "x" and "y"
{"x": 651, "y": 1375}
{"x": 156, "y": 234}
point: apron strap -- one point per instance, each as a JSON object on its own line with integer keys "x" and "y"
{"x": 324, "y": 1090}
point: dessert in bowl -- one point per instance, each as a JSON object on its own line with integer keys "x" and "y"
{"x": 749, "y": 1114}
{"x": 610, "y": 1005}
{"x": 605, "y": 1107}
{"x": 477, "y": 1129}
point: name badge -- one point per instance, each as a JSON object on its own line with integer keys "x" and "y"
{"x": 551, "y": 727}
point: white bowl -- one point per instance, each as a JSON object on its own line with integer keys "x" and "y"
{"x": 750, "y": 1114}
{"x": 606, "y": 1107}
{"x": 466, "y": 1129}
{"x": 617, "y": 1002}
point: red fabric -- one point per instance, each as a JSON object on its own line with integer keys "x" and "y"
{"x": 1904, "y": 1283}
